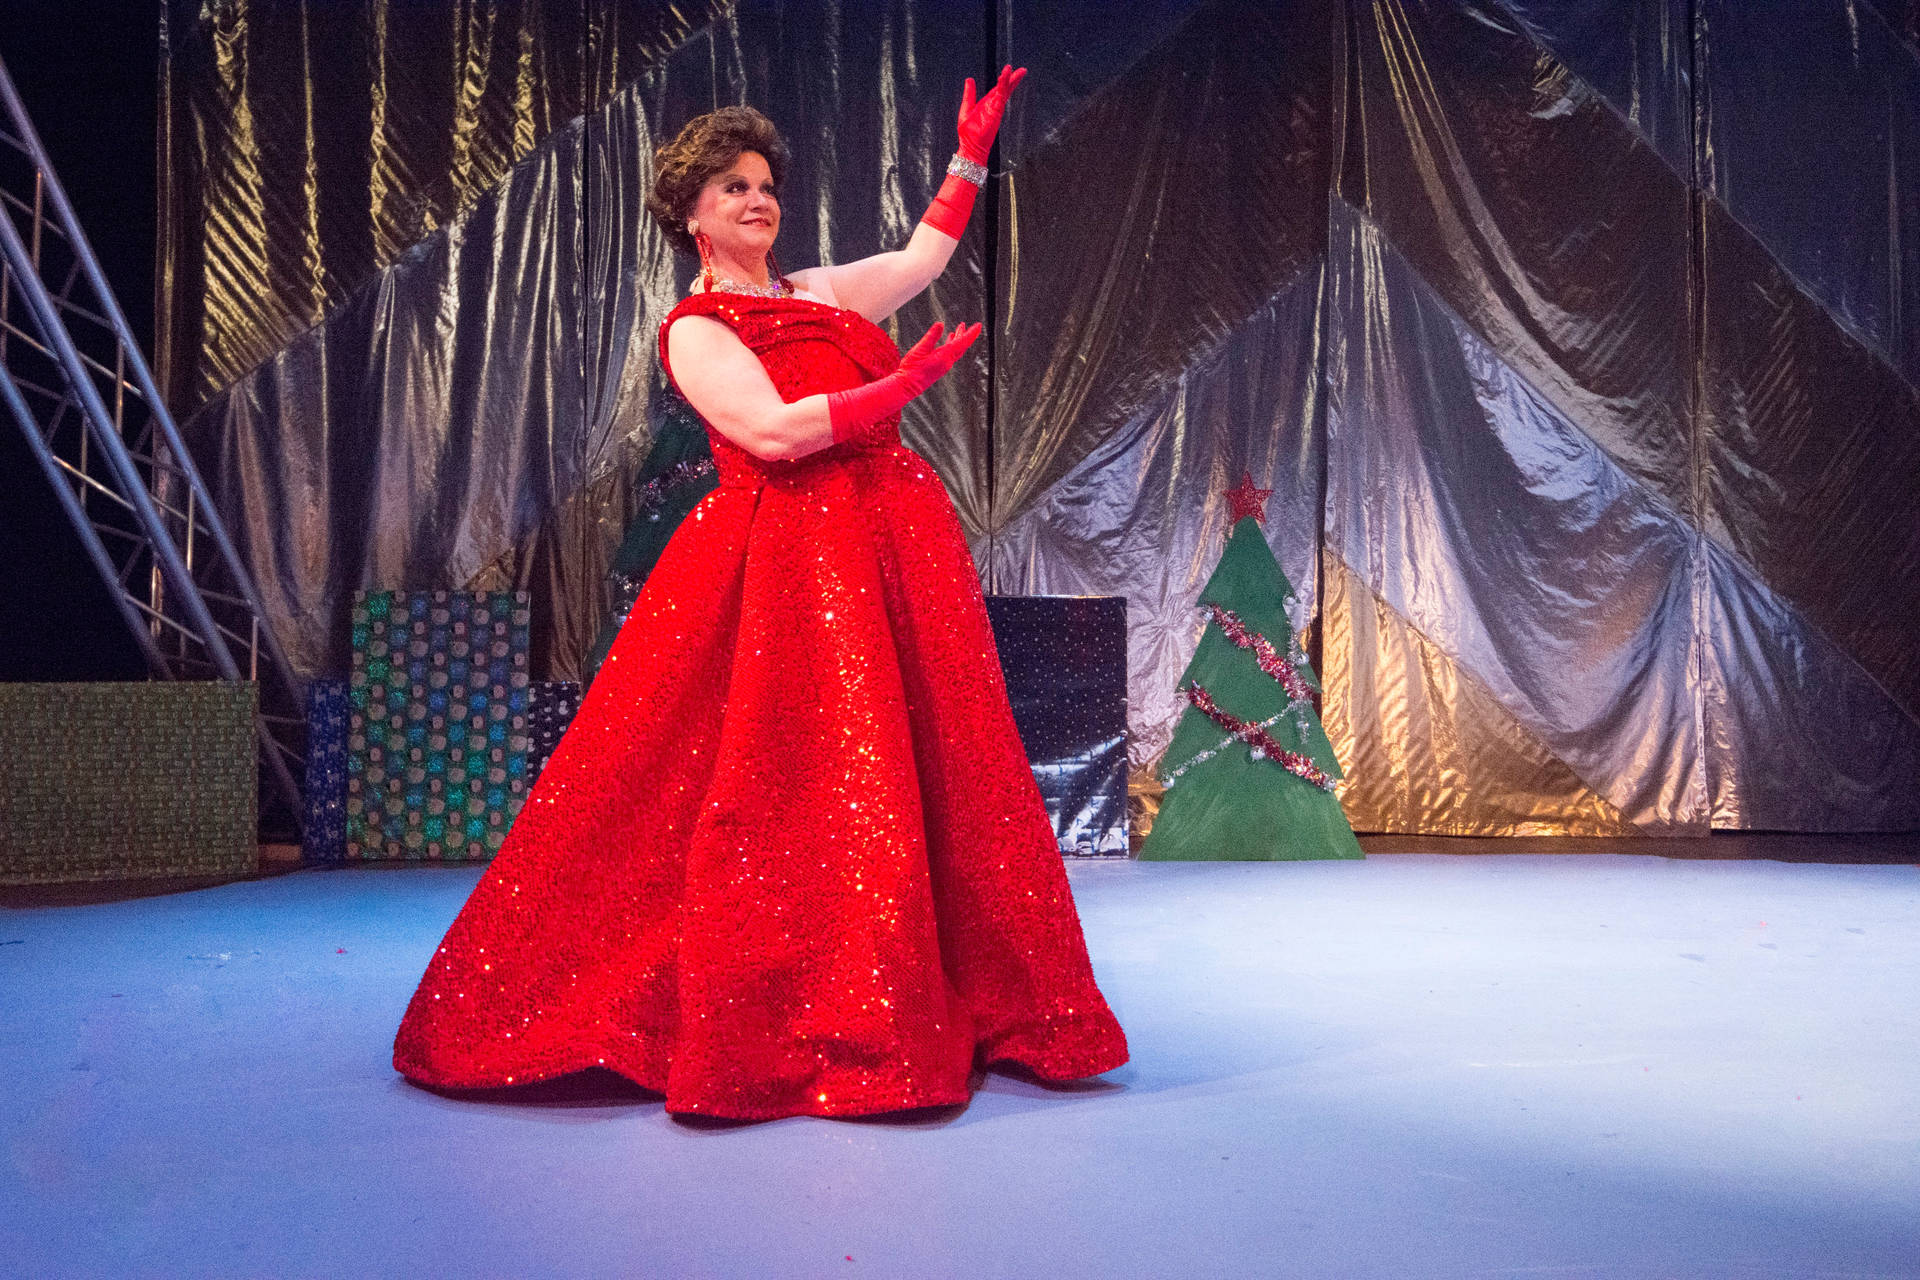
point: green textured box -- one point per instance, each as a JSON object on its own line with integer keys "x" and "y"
{"x": 127, "y": 781}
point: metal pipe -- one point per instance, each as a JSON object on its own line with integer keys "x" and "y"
{"x": 143, "y": 376}
{"x": 89, "y": 538}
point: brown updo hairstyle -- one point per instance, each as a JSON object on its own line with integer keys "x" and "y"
{"x": 705, "y": 146}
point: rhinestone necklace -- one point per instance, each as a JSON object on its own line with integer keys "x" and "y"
{"x": 776, "y": 288}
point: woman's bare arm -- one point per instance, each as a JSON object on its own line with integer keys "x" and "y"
{"x": 876, "y": 287}
{"x": 728, "y": 386}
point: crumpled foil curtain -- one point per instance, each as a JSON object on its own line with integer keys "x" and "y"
{"x": 1141, "y": 515}
{"x": 1643, "y": 494}
{"x": 1590, "y": 439}
{"x": 1519, "y": 552}
{"x": 304, "y": 148}
{"x": 1593, "y": 468}
{"x": 1636, "y": 54}
{"x": 425, "y": 428}
{"x": 1157, "y": 284}
{"x": 1811, "y": 118}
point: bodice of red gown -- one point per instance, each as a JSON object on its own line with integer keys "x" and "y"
{"x": 806, "y": 348}
{"x": 789, "y": 858}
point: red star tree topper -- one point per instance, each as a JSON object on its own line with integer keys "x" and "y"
{"x": 1246, "y": 500}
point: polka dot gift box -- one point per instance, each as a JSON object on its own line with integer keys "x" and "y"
{"x": 437, "y": 724}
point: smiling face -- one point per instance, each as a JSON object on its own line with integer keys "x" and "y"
{"x": 738, "y": 210}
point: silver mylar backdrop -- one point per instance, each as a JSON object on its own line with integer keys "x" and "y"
{"x": 1578, "y": 343}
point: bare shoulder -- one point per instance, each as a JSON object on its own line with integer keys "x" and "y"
{"x": 698, "y": 332}
{"x": 696, "y": 343}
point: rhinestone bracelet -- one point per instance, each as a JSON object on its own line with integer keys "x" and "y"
{"x": 962, "y": 167}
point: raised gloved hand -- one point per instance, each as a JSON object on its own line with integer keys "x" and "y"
{"x": 867, "y": 414}
{"x": 980, "y": 121}
{"x": 978, "y": 125}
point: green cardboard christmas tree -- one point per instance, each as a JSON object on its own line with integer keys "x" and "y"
{"x": 1250, "y": 774}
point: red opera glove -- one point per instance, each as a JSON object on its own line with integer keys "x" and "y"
{"x": 979, "y": 123}
{"x": 867, "y": 414}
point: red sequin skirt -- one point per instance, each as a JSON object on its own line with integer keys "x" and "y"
{"x": 789, "y": 858}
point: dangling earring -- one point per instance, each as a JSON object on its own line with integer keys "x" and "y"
{"x": 705, "y": 246}
{"x": 773, "y": 274}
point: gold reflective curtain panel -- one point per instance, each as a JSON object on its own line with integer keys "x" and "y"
{"x": 306, "y": 147}
{"x": 1578, "y": 343}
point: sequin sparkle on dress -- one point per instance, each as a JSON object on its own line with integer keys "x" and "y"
{"x": 789, "y": 858}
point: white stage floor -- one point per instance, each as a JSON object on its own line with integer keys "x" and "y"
{"x": 1564, "y": 1065}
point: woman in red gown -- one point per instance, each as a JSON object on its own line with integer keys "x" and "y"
{"x": 789, "y": 858}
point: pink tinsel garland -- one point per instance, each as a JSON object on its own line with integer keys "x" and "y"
{"x": 1254, "y": 736}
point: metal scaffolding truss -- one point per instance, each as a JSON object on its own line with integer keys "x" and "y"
{"x": 74, "y": 380}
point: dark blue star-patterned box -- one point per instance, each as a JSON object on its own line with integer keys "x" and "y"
{"x": 1065, "y": 663}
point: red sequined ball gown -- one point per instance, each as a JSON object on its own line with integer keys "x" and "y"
{"x": 789, "y": 858}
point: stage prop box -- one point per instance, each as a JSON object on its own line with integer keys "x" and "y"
{"x": 437, "y": 701}
{"x": 1065, "y": 663}
{"x": 550, "y": 710}
{"x": 127, "y": 781}
{"x": 328, "y": 710}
